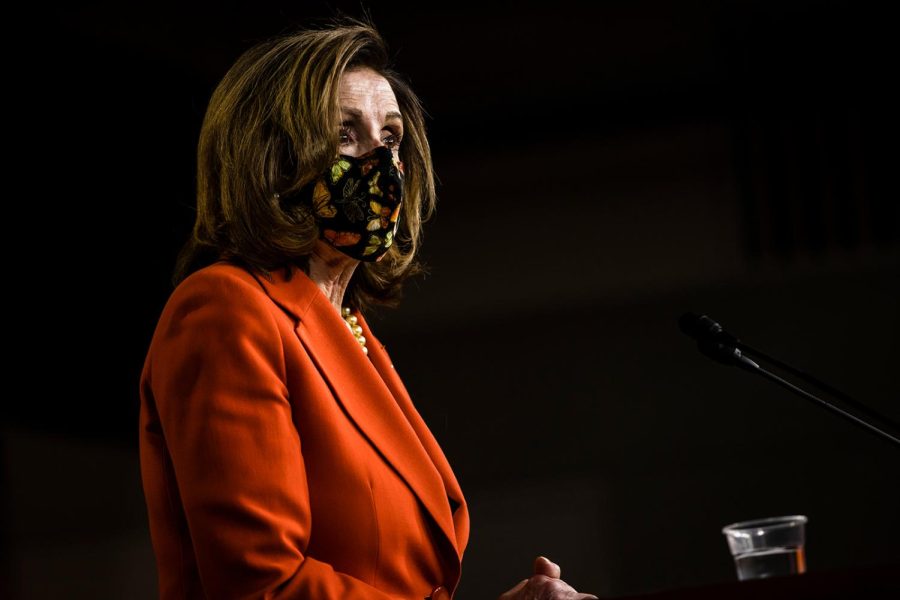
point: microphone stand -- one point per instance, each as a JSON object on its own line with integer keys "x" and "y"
{"x": 719, "y": 345}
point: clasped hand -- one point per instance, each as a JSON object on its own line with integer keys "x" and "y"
{"x": 545, "y": 584}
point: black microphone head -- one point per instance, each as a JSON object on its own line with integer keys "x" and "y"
{"x": 699, "y": 327}
{"x": 714, "y": 341}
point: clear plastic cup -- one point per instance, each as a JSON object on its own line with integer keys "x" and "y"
{"x": 768, "y": 547}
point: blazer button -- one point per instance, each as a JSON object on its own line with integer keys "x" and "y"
{"x": 439, "y": 593}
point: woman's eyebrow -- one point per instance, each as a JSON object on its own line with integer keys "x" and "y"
{"x": 352, "y": 112}
{"x": 356, "y": 114}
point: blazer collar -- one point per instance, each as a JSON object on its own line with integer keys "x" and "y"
{"x": 374, "y": 397}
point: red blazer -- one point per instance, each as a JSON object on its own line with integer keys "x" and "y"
{"x": 278, "y": 461}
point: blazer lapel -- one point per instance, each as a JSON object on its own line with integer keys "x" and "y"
{"x": 364, "y": 395}
{"x": 385, "y": 368}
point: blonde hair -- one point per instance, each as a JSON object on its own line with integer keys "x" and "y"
{"x": 271, "y": 127}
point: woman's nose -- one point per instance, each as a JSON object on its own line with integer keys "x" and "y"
{"x": 370, "y": 141}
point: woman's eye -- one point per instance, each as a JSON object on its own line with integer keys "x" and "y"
{"x": 344, "y": 136}
{"x": 391, "y": 141}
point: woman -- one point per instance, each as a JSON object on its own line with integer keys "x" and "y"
{"x": 281, "y": 455}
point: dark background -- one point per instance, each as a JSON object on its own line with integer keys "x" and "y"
{"x": 604, "y": 167}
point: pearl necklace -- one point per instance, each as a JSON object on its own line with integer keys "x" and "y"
{"x": 354, "y": 327}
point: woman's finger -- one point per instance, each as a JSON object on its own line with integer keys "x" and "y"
{"x": 545, "y": 566}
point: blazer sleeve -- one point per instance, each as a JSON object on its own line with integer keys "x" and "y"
{"x": 218, "y": 379}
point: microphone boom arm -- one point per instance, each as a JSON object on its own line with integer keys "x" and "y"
{"x": 716, "y": 343}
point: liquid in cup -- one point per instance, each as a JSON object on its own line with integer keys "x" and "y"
{"x": 770, "y": 563}
{"x": 768, "y": 547}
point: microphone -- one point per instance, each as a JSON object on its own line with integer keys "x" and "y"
{"x": 714, "y": 341}
{"x": 721, "y": 346}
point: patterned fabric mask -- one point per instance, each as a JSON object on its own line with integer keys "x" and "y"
{"x": 357, "y": 203}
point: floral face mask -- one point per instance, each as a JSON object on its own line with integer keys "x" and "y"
{"x": 357, "y": 203}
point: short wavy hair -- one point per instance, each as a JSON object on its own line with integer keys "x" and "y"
{"x": 270, "y": 128}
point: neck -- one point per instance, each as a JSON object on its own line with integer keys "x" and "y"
{"x": 331, "y": 270}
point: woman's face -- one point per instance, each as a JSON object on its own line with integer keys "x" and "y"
{"x": 370, "y": 116}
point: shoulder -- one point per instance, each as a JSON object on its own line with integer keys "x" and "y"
{"x": 219, "y": 329}
{"x": 218, "y": 312}
{"x": 219, "y": 279}
{"x": 219, "y": 297}
{"x": 220, "y": 284}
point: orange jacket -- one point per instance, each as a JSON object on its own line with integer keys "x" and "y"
{"x": 279, "y": 461}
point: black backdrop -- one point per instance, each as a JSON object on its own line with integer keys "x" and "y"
{"x": 604, "y": 167}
